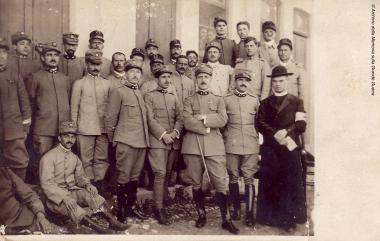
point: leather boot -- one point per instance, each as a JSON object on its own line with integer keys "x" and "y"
{"x": 235, "y": 199}
{"x": 121, "y": 202}
{"x": 114, "y": 223}
{"x": 227, "y": 223}
{"x": 102, "y": 190}
{"x": 249, "y": 197}
{"x": 131, "y": 210}
{"x": 93, "y": 225}
{"x": 198, "y": 198}
{"x": 161, "y": 216}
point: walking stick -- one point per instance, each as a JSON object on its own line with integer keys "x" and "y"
{"x": 203, "y": 160}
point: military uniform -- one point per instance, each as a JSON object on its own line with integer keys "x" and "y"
{"x": 239, "y": 50}
{"x": 151, "y": 83}
{"x": 116, "y": 79}
{"x": 296, "y": 82}
{"x": 106, "y": 67}
{"x": 88, "y": 102}
{"x": 164, "y": 116}
{"x": 23, "y": 65}
{"x": 19, "y": 203}
{"x": 203, "y": 139}
{"x": 126, "y": 126}
{"x": 242, "y": 145}
{"x": 147, "y": 75}
{"x": 15, "y": 119}
{"x": 49, "y": 92}
{"x": 261, "y": 84}
{"x": 268, "y": 49}
{"x": 183, "y": 85}
{"x": 72, "y": 66}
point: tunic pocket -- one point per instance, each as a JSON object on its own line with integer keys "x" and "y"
{"x": 133, "y": 110}
{"x": 160, "y": 112}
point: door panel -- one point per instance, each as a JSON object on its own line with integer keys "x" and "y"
{"x": 42, "y": 20}
{"x": 156, "y": 19}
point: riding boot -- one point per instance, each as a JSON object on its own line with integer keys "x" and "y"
{"x": 121, "y": 202}
{"x": 227, "y": 223}
{"x": 235, "y": 199}
{"x": 131, "y": 209}
{"x": 198, "y": 198}
{"x": 249, "y": 197}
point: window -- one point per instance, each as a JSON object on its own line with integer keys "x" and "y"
{"x": 300, "y": 35}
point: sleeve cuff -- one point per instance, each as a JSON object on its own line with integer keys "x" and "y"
{"x": 162, "y": 135}
{"x": 178, "y": 134}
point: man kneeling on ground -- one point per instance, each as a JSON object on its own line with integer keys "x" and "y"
{"x": 66, "y": 186}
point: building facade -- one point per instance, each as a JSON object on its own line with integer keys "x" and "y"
{"x": 128, "y": 23}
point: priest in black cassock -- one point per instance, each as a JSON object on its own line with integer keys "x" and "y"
{"x": 281, "y": 119}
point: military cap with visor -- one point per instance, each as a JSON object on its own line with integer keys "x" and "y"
{"x": 243, "y": 73}
{"x": 18, "y": 36}
{"x": 137, "y": 51}
{"x": 70, "y": 38}
{"x": 162, "y": 70}
{"x": 94, "y": 56}
{"x": 203, "y": 68}
{"x": 285, "y": 41}
{"x": 133, "y": 64}
{"x": 66, "y": 127}
{"x": 97, "y": 34}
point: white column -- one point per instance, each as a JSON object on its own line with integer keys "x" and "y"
{"x": 115, "y": 18}
{"x": 253, "y": 16}
{"x": 285, "y": 20}
{"x": 187, "y": 24}
{"x": 235, "y": 12}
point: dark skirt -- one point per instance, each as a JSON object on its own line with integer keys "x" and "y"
{"x": 281, "y": 198}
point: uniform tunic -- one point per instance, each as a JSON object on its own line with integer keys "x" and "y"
{"x": 210, "y": 140}
{"x": 19, "y": 203}
{"x": 220, "y": 80}
{"x": 260, "y": 84}
{"x": 183, "y": 85}
{"x": 268, "y": 52}
{"x": 240, "y": 136}
{"x": 14, "y": 112}
{"x": 281, "y": 199}
{"x": 227, "y": 52}
{"x": 296, "y": 82}
{"x": 126, "y": 125}
{"x": 164, "y": 116}
{"x": 62, "y": 176}
{"x": 239, "y": 50}
{"x": 88, "y": 102}
{"x": 24, "y": 66}
{"x": 73, "y": 67}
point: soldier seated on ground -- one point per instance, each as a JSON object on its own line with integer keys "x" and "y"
{"x": 21, "y": 208}
{"x": 66, "y": 186}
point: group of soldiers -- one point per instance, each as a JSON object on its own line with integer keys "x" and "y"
{"x": 206, "y": 115}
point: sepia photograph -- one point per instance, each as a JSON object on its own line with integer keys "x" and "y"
{"x": 176, "y": 119}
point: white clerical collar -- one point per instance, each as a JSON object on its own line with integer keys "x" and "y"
{"x": 280, "y": 94}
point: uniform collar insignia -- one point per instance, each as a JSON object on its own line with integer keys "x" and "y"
{"x": 52, "y": 71}
{"x": 130, "y": 85}
{"x": 203, "y": 92}
{"x": 240, "y": 94}
{"x": 164, "y": 91}
{"x": 66, "y": 56}
{"x": 221, "y": 37}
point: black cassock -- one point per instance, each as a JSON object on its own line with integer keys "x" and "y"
{"x": 281, "y": 199}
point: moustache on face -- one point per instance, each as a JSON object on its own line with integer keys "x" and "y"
{"x": 69, "y": 143}
{"x": 243, "y": 85}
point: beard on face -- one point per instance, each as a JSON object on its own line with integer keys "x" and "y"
{"x": 70, "y": 52}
